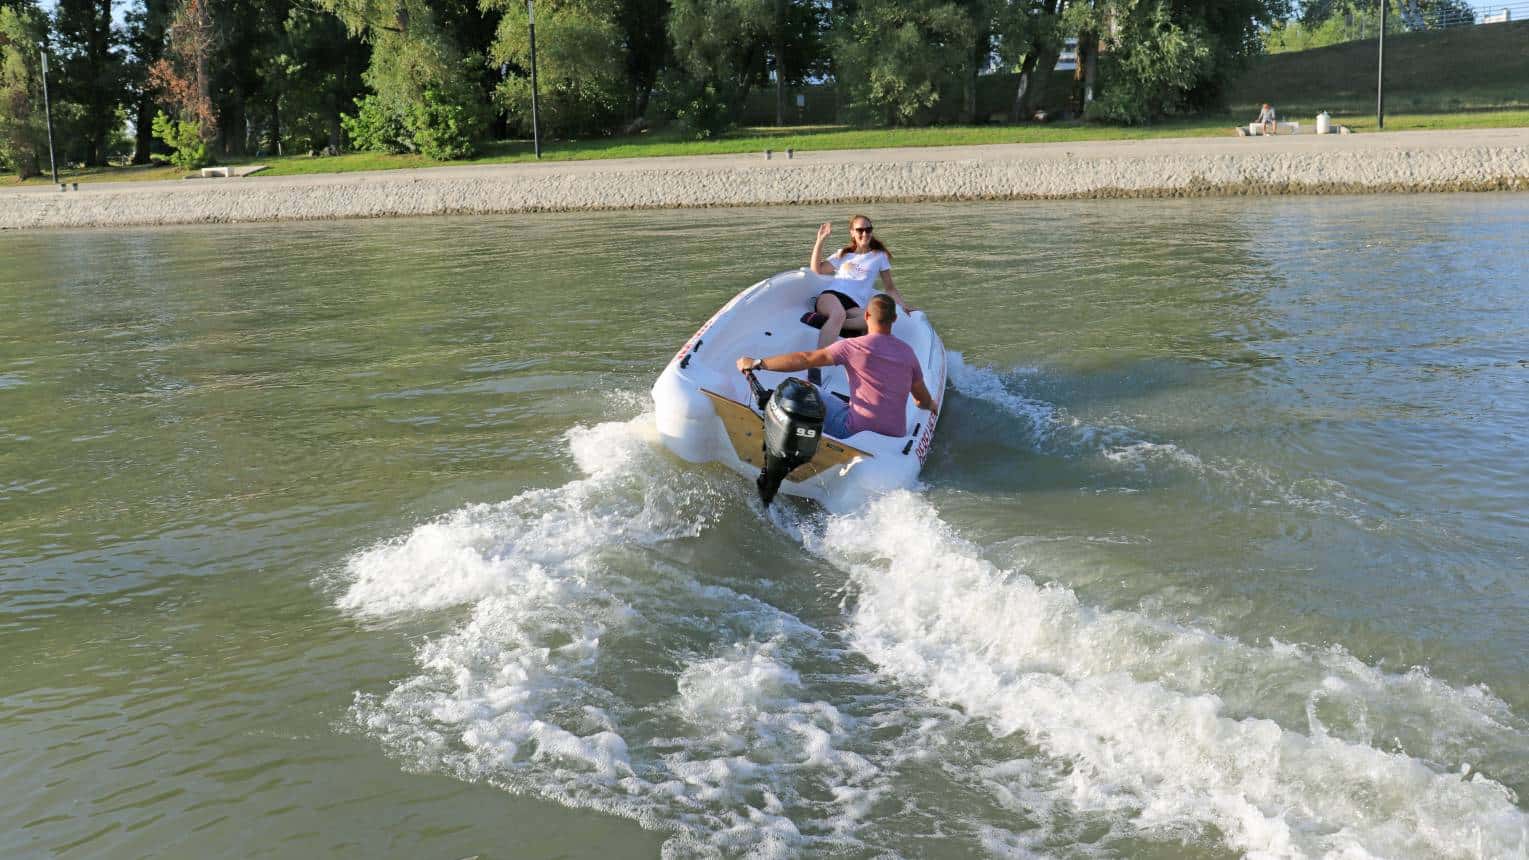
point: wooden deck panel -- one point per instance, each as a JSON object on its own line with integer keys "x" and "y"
{"x": 745, "y": 429}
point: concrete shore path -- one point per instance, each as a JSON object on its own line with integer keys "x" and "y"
{"x": 1414, "y": 161}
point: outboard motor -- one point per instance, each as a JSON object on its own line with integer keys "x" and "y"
{"x": 793, "y": 424}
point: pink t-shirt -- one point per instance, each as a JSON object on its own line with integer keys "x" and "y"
{"x": 882, "y": 370}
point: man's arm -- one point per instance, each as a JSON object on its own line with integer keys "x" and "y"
{"x": 788, "y": 362}
{"x": 922, "y": 397}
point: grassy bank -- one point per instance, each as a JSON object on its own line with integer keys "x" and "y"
{"x": 1484, "y": 67}
{"x": 815, "y": 138}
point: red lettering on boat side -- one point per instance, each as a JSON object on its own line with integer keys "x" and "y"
{"x": 923, "y": 442}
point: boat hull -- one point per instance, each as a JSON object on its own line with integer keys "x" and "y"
{"x": 703, "y": 410}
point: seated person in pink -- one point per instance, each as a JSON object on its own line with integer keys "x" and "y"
{"x": 882, "y": 372}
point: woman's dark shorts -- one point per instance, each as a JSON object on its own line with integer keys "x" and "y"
{"x": 848, "y": 303}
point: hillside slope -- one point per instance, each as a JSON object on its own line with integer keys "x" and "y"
{"x": 1468, "y": 68}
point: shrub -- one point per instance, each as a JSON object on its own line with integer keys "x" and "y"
{"x": 698, "y": 107}
{"x": 442, "y": 123}
{"x": 445, "y": 128}
{"x": 376, "y": 127}
{"x": 187, "y": 149}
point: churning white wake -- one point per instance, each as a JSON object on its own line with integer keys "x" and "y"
{"x": 1134, "y": 706}
{"x": 593, "y": 667}
{"x": 1174, "y": 728}
{"x": 593, "y": 674}
{"x": 484, "y": 549}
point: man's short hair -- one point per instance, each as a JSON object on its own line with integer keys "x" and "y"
{"x": 882, "y": 309}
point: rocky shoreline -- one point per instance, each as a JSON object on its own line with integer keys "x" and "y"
{"x": 1482, "y": 160}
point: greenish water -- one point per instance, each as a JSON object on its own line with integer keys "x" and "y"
{"x": 353, "y": 539}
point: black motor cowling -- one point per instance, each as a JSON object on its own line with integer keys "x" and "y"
{"x": 793, "y": 424}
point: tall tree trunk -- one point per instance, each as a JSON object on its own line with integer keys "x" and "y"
{"x": 334, "y": 128}
{"x": 276, "y": 125}
{"x": 1080, "y": 86}
{"x": 780, "y": 63}
{"x": 102, "y": 98}
{"x": 979, "y": 53}
{"x": 1026, "y": 72}
{"x": 143, "y": 131}
{"x": 1045, "y": 65}
{"x": 1035, "y": 71}
{"x": 235, "y": 126}
{"x": 1090, "y": 70}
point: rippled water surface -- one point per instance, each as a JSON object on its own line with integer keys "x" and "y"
{"x": 353, "y": 539}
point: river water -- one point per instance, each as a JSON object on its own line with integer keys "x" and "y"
{"x": 353, "y": 539}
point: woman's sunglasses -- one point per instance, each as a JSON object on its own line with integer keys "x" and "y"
{"x": 861, "y": 229}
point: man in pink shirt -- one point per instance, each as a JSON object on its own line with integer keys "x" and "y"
{"x": 882, "y": 372}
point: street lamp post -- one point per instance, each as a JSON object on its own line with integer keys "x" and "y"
{"x": 1380, "y": 71}
{"x": 48, "y": 110}
{"x": 536, "y": 135}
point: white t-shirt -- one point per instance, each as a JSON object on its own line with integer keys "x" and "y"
{"x": 861, "y": 269}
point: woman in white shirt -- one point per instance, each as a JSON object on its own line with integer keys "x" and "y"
{"x": 855, "y": 268}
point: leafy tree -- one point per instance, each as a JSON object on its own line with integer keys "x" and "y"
{"x": 1406, "y": 15}
{"x": 720, "y": 50}
{"x": 247, "y": 84}
{"x": 723, "y": 49}
{"x": 581, "y": 65}
{"x": 1168, "y": 56}
{"x": 1029, "y": 38}
{"x": 92, "y": 74}
{"x": 148, "y": 25}
{"x": 183, "y": 76}
{"x": 1153, "y": 62}
{"x": 799, "y": 50}
{"x": 320, "y": 67}
{"x": 23, "y": 136}
{"x": 425, "y": 93}
{"x": 1330, "y": 22}
{"x": 645, "y": 34}
{"x": 979, "y": 51}
{"x": 897, "y": 57}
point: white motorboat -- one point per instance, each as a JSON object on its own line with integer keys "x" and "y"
{"x": 708, "y": 411}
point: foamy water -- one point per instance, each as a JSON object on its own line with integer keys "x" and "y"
{"x": 952, "y": 690}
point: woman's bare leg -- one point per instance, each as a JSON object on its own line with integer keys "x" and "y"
{"x": 854, "y": 320}
{"x": 830, "y": 307}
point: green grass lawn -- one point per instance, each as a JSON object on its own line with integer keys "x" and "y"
{"x": 134, "y": 173}
{"x": 821, "y": 138}
{"x": 756, "y": 140}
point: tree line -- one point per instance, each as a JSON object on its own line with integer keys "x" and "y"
{"x": 207, "y": 78}
{"x": 1319, "y": 23}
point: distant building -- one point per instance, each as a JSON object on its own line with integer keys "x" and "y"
{"x": 1068, "y": 60}
{"x": 1500, "y": 17}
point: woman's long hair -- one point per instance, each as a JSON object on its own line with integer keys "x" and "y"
{"x": 874, "y": 244}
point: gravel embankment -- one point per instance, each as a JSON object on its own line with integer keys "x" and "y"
{"x": 1478, "y": 160}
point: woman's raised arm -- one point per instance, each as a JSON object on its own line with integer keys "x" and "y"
{"x": 816, "y": 264}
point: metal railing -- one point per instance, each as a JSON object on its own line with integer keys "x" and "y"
{"x": 1413, "y": 18}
